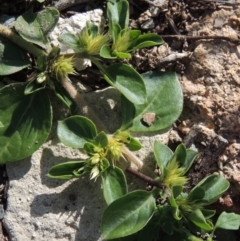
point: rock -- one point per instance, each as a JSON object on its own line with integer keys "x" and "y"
{"x": 155, "y": 11}
{"x": 149, "y": 24}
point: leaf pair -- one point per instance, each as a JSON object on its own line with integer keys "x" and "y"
{"x": 124, "y": 40}
{"x": 173, "y": 166}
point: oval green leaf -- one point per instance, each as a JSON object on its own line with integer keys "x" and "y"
{"x": 128, "y": 214}
{"x": 133, "y": 144}
{"x": 147, "y": 40}
{"x": 128, "y": 81}
{"x": 75, "y": 131}
{"x": 229, "y": 221}
{"x": 214, "y": 186}
{"x": 106, "y": 52}
{"x": 66, "y": 170}
{"x": 118, "y": 13}
{"x": 191, "y": 156}
{"x": 196, "y": 194}
{"x": 162, "y": 155}
{"x": 114, "y": 184}
{"x": 164, "y": 104}
{"x": 70, "y": 40}
{"x": 34, "y": 27}
{"x": 26, "y": 122}
{"x": 12, "y": 58}
{"x": 199, "y": 220}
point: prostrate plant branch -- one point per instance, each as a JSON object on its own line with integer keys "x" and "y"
{"x": 9, "y": 34}
{"x": 145, "y": 178}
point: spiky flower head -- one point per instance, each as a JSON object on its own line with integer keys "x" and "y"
{"x": 95, "y": 162}
{"x": 174, "y": 174}
{"x": 92, "y": 43}
{"x": 122, "y": 42}
{"x": 62, "y": 67}
{"x": 122, "y": 136}
{"x": 114, "y": 149}
{"x": 187, "y": 206}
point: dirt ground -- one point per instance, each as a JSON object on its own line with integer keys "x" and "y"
{"x": 202, "y": 46}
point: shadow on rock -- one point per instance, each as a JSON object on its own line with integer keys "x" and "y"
{"x": 48, "y": 159}
{"x": 16, "y": 170}
{"x": 79, "y": 207}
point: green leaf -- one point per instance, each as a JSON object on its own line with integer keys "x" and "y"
{"x": 34, "y": 86}
{"x": 182, "y": 235}
{"x": 26, "y": 120}
{"x": 229, "y": 221}
{"x": 118, "y": 13}
{"x": 89, "y": 148}
{"x": 164, "y": 100}
{"x": 42, "y": 63}
{"x": 196, "y": 194}
{"x": 70, "y": 40}
{"x": 106, "y": 52}
{"x": 214, "y": 186}
{"x": 66, "y": 170}
{"x": 162, "y": 155}
{"x": 180, "y": 154}
{"x": 151, "y": 230}
{"x": 122, "y": 55}
{"x": 174, "y": 207}
{"x": 176, "y": 191}
{"x": 128, "y": 214}
{"x": 34, "y": 27}
{"x": 75, "y": 131}
{"x": 165, "y": 218}
{"x": 115, "y": 30}
{"x": 114, "y": 184}
{"x": 54, "y": 53}
{"x": 127, "y": 80}
{"x": 92, "y": 28}
{"x": 133, "y": 144}
{"x": 199, "y": 220}
{"x": 12, "y": 58}
{"x": 147, "y": 40}
{"x": 101, "y": 140}
{"x": 191, "y": 156}
{"x": 208, "y": 213}
{"x": 64, "y": 96}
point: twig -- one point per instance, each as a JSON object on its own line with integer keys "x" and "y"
{"x": 145, "y": 178}
{"x": 186, "y": 37}
{"x": 132, "y": 158}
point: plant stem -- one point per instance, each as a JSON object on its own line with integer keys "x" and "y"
{"x": 128, "y": 155}
{"x": 132, "y": 158}
{"x": 9, "y": 34}
{"x": 145, "y": 178}
{"x": 81, "y": 103}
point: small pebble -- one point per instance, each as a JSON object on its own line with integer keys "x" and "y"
{"x": 149, "y": 24}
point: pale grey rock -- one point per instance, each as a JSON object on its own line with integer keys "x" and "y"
{"x": 149, "y": 24}
{"x": 155, "y": 11}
